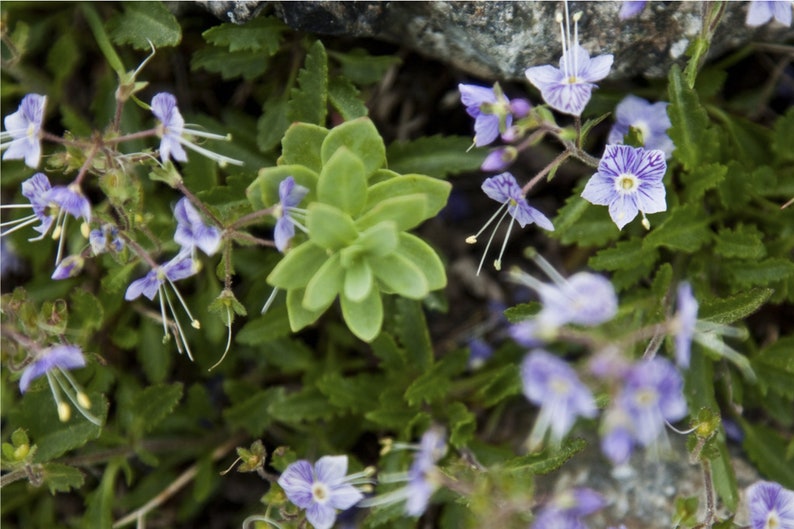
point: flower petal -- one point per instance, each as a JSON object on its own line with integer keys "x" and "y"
{"x": 297, "y": 480}
{"x": 331, "y": 469}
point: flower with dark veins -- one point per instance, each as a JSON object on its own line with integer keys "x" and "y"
{"x": 771, "y": 506}
{"x": 650, "y": 119}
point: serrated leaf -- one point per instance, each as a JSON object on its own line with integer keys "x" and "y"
{"x": 309, "y": 100}
{"x": 630, "y": 261}
{"x": 345, "y": 98}
{"x": 775, "y": 367}
{"x": 152, "y": 405}
{"x": 62, "y": 437}
{"x": 546, "y": 461}
{"x": 142, "y": 22}
{"x": 61, "y": 478}
{"x": 690, "y": 124}
{"x": 731, "y": 309}
{"x": 747, "y": 273}
{"x": 361, "y": 67}
{"x": 230, "y": 65}
{"x": 117, "y": 279}
{"x": 701, "y": 179}
{"x": 685, "y": 229}
{"x": 410, "y": 329}
{"x": 86, "y": 309}
{"x": 462, "y": 424}
{"x": 766, "y": 449}
{"x": 262, "y": 34}
{"x": 306, "y": 405}
{"x": 357, "y": 393}
{"x": 744, "y": 242}
{"x": 272, "y": 124}
{"x": 252, "y": 414}
{"x": 390, "y": 354}
{"x": 523, "y": 311}
{"x": 437, "y": 156}
{"x": 434, "y": 383}
{"x": 498, "y": 384}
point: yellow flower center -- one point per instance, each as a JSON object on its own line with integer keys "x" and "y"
{"x": 320, "y": 492}
{"x": 627, "y": 182}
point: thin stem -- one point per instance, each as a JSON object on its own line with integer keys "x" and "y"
{"x": 174, "y": 487}
{"x": 86, "y": 164}
{"x": 198, "y": 203}
{"x": 251, "y": 218}
{"x": 546, "y": 170}
{"x": 129, "y": 137}
{"x": 139, "y": 251}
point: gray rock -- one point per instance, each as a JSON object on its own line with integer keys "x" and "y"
{"x": 499, "y": 40}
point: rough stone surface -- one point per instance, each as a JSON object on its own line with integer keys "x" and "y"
{"x": 499, "y": 40}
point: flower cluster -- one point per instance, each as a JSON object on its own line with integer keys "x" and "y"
{"x": 492, "y": 111}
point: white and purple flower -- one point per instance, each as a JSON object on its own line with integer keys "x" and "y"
{"x": 567, "y": 509}
{"x": 321, "y": 490}
{"x": 155, "y": 281}
{"x": 174, "y": 135}
{"x": 629, "y": 181}
{"x": 290, "y": 195}
{"x": 105, "y": 239}
{"x": 650, "y": 119}
{"x": 770, "y": 506}
{"x": 684, "y": 324}
{"x": 492, "y": 111}
{"x": 191, "y": 232}
{"x": 54, "y": 363}
{"x": 762, "y": 11}
{"x": 569, "y": 87}
{"x": 552, "y": 384}
{"x": 631, "y": 8}
{"x": 504, "y": 189}
{"x": 22, "y": 138}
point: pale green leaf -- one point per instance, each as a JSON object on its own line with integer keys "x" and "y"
{"x": 342, "y": 182}
{"x": 142, "y": 22}
{"x": 345, "y": 98}
{"x": 362, "y": 138}
{"x": 297, "y": 267}
{"x": 425, "y": 258}
{"x": 359, "y": 280}
{"x": 325, "y": 285}
{"x": 364, "y": 318}
{"x": 262, "y": 34}
{"x": 329, "y": 227}
{"x": 401, "y": 276}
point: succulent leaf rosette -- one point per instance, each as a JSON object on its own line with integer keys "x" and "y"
{"x": 358, "y": 214}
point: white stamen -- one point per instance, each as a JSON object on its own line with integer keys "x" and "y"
{"x": 493, "y": 234}
{"x": 553, "y": 274}
{"x": 498, "y": 263}
{"x": 221, "y": 159}
{"x": 27, "y": 221}
{"x": 228, "y": 339}
{"x": 75, "y": 399}
{"x": 180, "y": 332}
{"x": 269, "y": 300}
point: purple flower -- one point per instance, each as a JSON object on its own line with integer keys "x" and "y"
{"x": 421, "y": 483}
{"x": 567, "y": 509}
{"x": 22, "y": 137}
{"x": 174, "y": 135}
{"x": 583, "y": 299}
{"x": 504, "y": 189}
{"x": 650, "y": 119}
{"x": 651, "y": 396}
{"x": 104, "y": 239}
{"x": 69, "y": 267}
{"x": 552, "y": 384}
{"x": 499, "y": 159}
{"x": 629, "y": 180}
{"x": 762, "y": 11}
{"x": 290, "y": 195}
{"x": 617, "y": 440}
{"x": 568, "y": 88}
{"x": 164, "y": 108}
{"x": 479, "y": 352}
{"x": 684, "y": 323}
{"x": 320, "y": 490}
{"x": 35, "y": 189}
{"x": 770, "y": 505}
{"x": 57, "y": 357}
{"x": 191, "y": 232}
{"x": 491, "y": 109}
{"x": 155, "y": 281}
{"x": 631, "y": 8}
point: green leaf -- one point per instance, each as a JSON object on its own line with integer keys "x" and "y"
{"x": 731, "y": 309}
{"x": 767, "y": 448}
{"x": 300, "y": 317}
{"x": 410, "y": 329}
{"x": 357, "y": 393}
{"x": 342, "y": 182}
{"x": 301, "y": 145}
{"x": 61, "y": 478}
{"x": 361, "y": 67}
{"x": 325, "y": 285}
{"x": 152, "y": 405}
{"x": 405, "y": 212}
{"x": 262, "y": 34}
{"x": 142, "y": 22}
{"x": 102, "y": 40}
{"x": 118, "y": 278}
{"x": 85, "y": 310}
{"x": 330, "y": 227}
{"x": 436, "y": 191}
{"x": 434, "y": 383}
{"x": 425, "y": 258}
{"x": 298, "y": 266}
{"x": 701, "y": 179}
{"x": 359, "y": 280}
{"x": 364, "y": 318}
{"x": 630, "y": 261}
{"x": 392, "y": 356}
{"x": 401, "y": 276}
{"x": 685, "y": 229}
{"x": 775, "y": 367}
{"x": 252, "y": 414}
{"x": 783, "y": 138}
{"x": 230, "y": 65}
{"x": 462, "y": 424}
{"x": 522, "y": 311}
{"x": 309, "y": 101}
{"x": 306, "y": 405}
{"x": 99, "y": 504}
{"x": 271, "y": 325}
{"x": 744, "y": 242}
{"x": 345, "y": 98}
{"x": 546, "y": 461}
{"x": 437, "y": 156}
{"x": 263, "y": 191}
{"x": 498, "y": 384}
{"x": 735, "y": 190}
{"x": 362, "y": 138}
{"x": 690, "y": 132}
{"x": 272, "y": 124}
{"x": 747, "y": 273}
{"x": 377, "y": 241}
